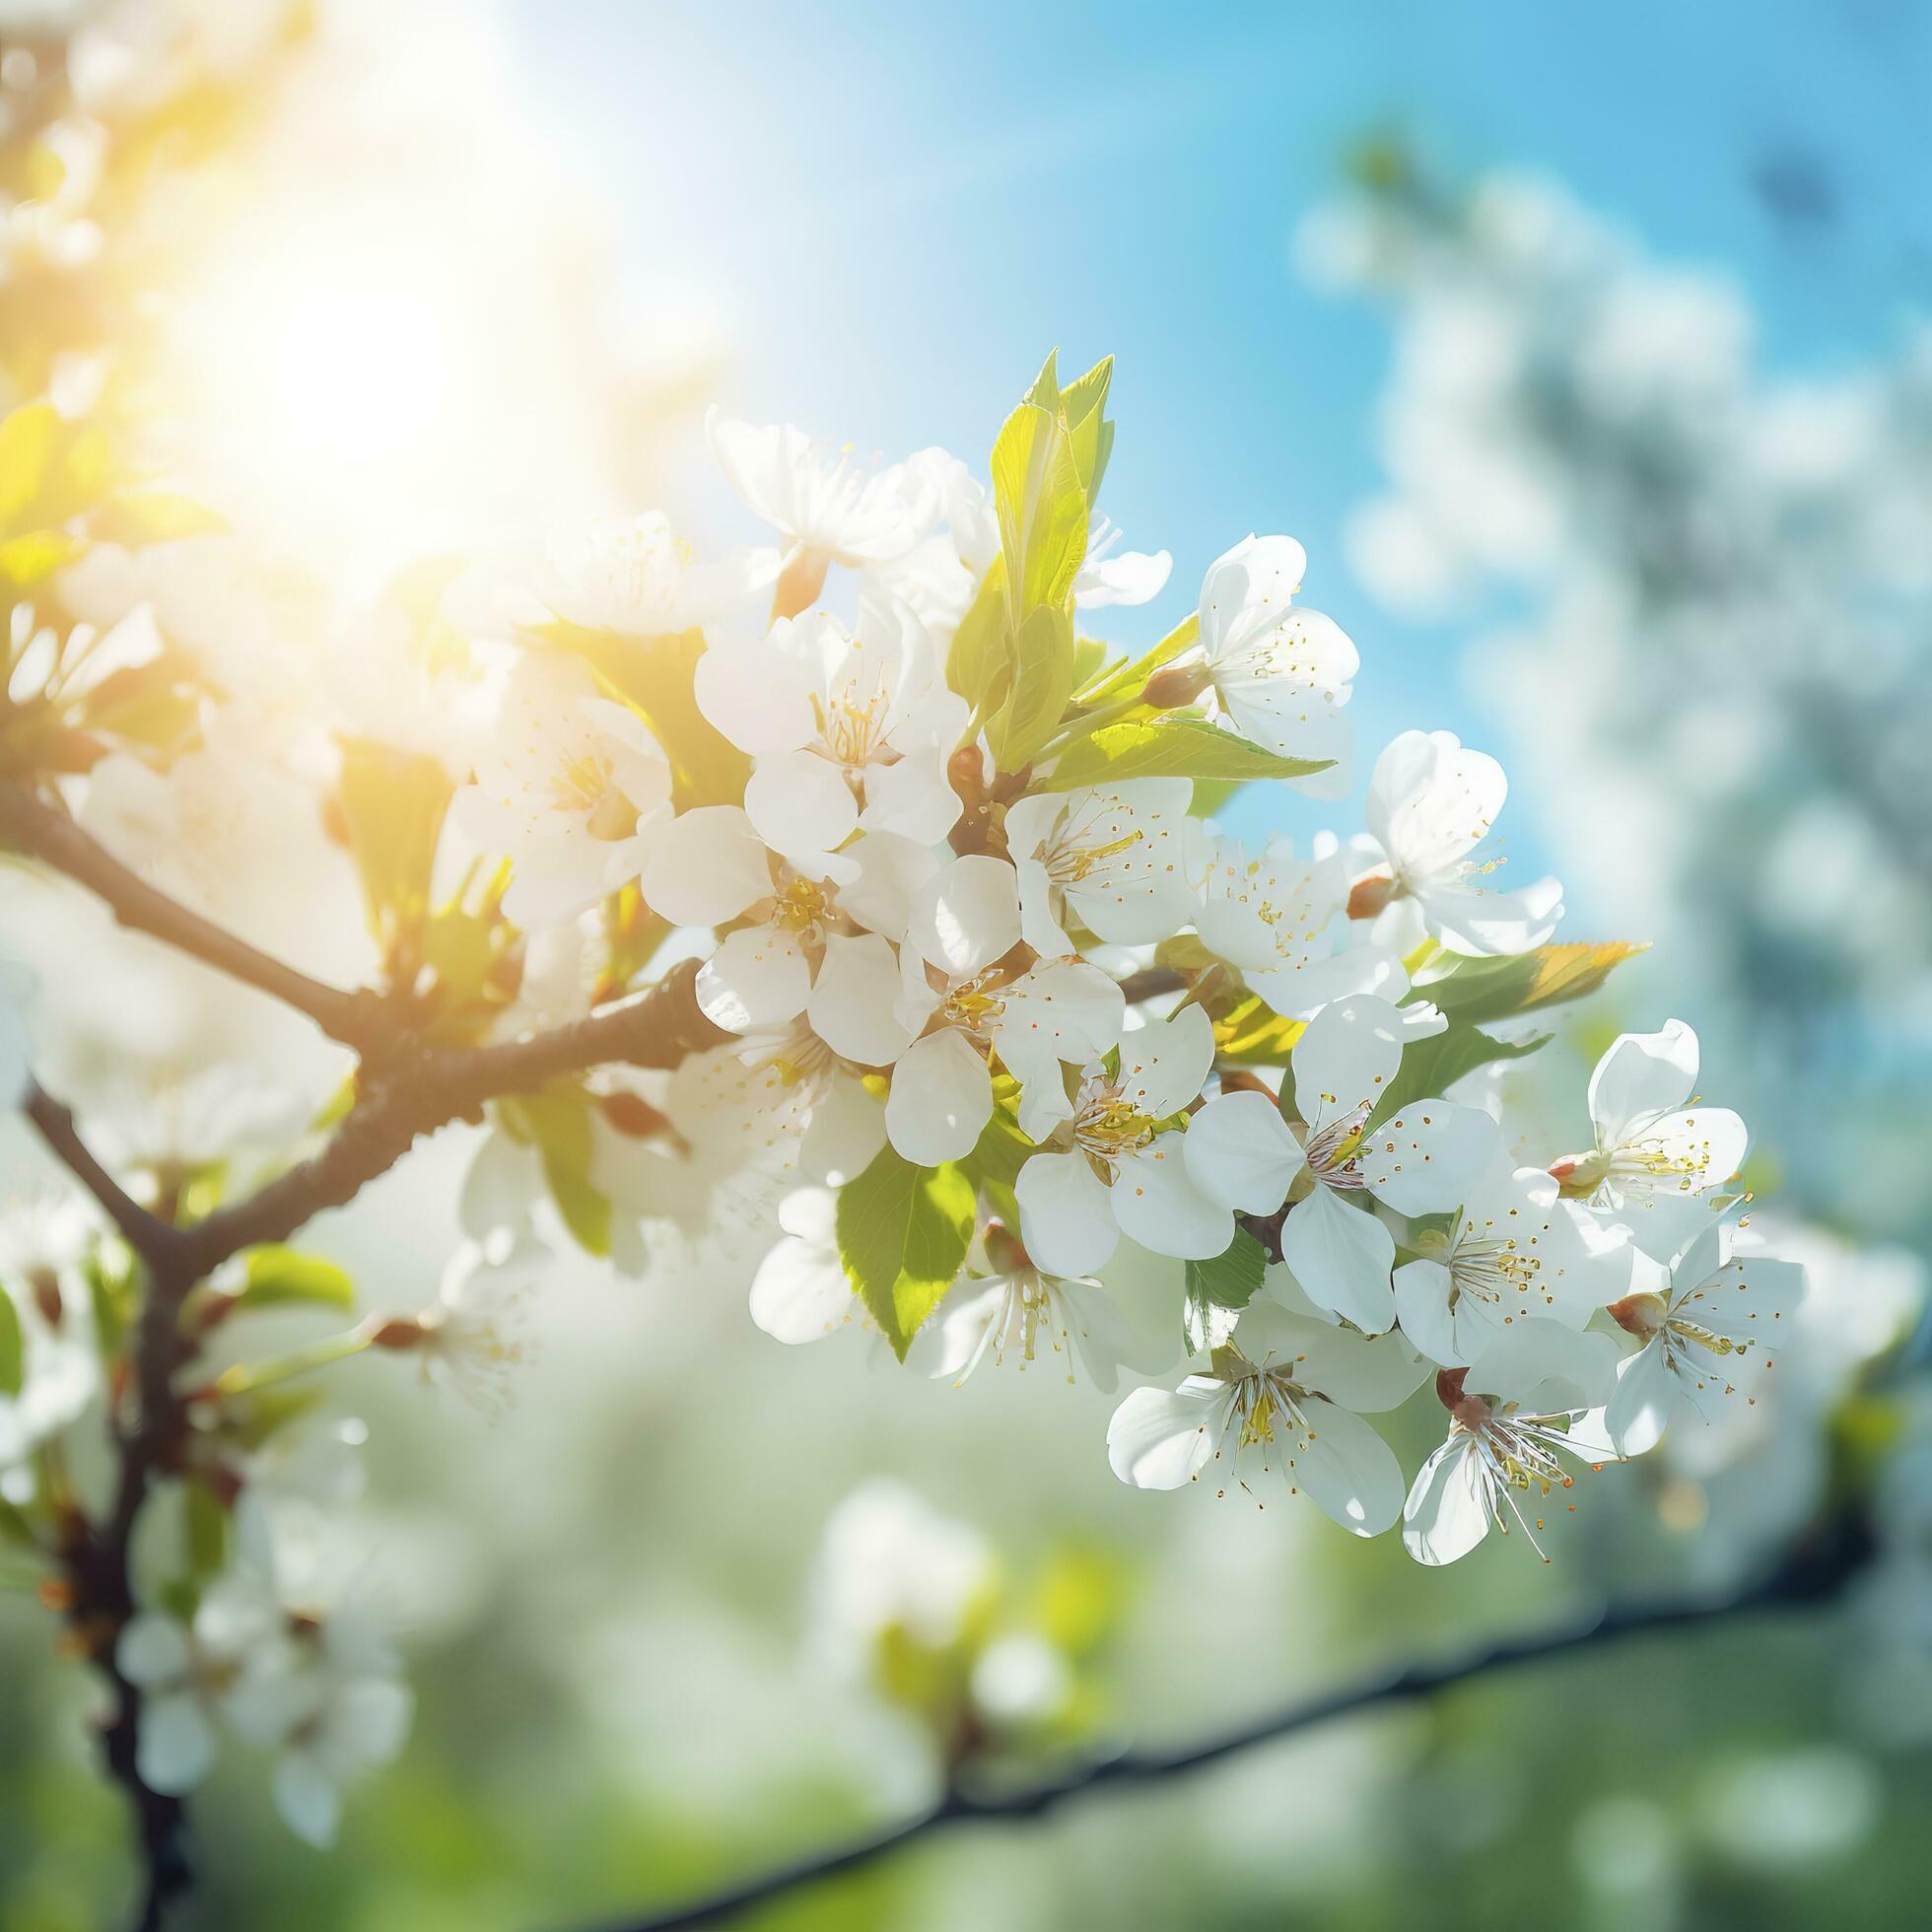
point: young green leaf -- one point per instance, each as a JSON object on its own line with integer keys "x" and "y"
{"x": 1084, "y": 404}
{"x": 275, "y": 1276}
{"x": 13, "y": 1347}
{"x": 1225, "y": 1281}
{"x": 1475, "y": 990}
{"x": 1429, "y": 1065}
{"x": 557, "y": 1122}
{"x": 1042, "y": 509}
{"x": 1171, "y": 747}
{"x": 903, "y": 1232}
{"x": 1042, "y": 685}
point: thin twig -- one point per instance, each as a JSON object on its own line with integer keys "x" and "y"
{"x": 146, "y": 1234}
{"x": 1815, "y": 1575}
{"x": 31, "y": 824}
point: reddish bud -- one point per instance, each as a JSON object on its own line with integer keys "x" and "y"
{"x": 1175, "y": 685}
{"x": 1369, "y": 894}
{"x": 631, "y": 1114}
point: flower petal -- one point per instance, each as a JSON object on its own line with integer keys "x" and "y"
{"x": 851, "y": 1008}
{"x": 1161, "y": 1438}
{"x": 1158, "y": 1205}
{"x": 941, "y": 1098}
{"x": 1342, "y": 1258}
{"x": 758, "y": 977}
{"x": 1065, "y": 1216}
{"x": 1240, "y": 1152}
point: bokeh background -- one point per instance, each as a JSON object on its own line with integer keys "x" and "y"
{"x": 1587, "y": 353}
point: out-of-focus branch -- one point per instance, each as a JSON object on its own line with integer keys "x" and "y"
{"x": 1815, "y": 1575}
{"x": 31, "y": 824}
{"x": 415, "y": 1093}
{"x": 147, "y": 1234}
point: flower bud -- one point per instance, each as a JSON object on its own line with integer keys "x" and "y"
{"x": 1174, "y": 685}
{"x": 1369, "y": 894}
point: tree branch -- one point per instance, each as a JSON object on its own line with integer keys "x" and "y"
{"x": 31, "y": 824}
{"x": 1815, "y": 1575}
{"x": 147, "y": 1234}
{"x": 416, "y": 1093}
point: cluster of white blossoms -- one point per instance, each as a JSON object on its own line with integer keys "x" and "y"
{"x": 975, "y": 1028}
{"x": 1050, "y": 1065}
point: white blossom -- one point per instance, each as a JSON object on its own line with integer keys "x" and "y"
{"x": 1283, "y": 1399}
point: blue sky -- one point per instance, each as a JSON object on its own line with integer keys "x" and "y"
{"x": 893, "y": 211}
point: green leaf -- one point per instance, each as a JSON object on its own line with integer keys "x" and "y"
{"x": 980, "y": 664}
{"x": 1042, "y": 509}
{"x": 1001, "y": 1149}
{"x": 1084, "y": 404}
{"x": 557, "y": 1122}
{"x": 1135, "y": 671}
{"x": 903, "y": 1232}
{"x": 275, "y": 1276}
{"x": 143, "y": 516}
{"x": 393, "y": 803}
{"x": 1042, "y": 684}
{"x": 13, "y": 1347}
{"x": 1226, "y": 1281}
{"x": 1475, "y": 990}
{"x": 1429, "y": 1065}
{"x": 1230, "y": 1279}
{"x": 1172, "y": 747}
{"x": 204, "y": 1529}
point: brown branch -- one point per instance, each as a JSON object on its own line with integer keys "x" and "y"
{"x": 416, "y": 1093}
{"x": 1815, "y": 1575}
{"x": 31, "y": 824}
{"x": 411, "y": 1091}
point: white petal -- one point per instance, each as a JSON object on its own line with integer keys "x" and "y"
{"x": 1248, "y": 586}
{"x": 1348, "y": 1053}
{"x": 1426, "y": 1157}
{"x": 1363, "y": 1373}
{"x": 1240, "y": 1152}
{"x": 1642, "y": 1075}
{"x": 705, "y": 866}
{"x": 758, "y": 977}
{"x": 1347, "y": 1470}
{"x": 800, "y": 804}
{"x": 1066, "y": 1216}
{"x": 1447, "y": 1513}
{"x": 941, "y": 1098}
{"x": 1422, "y": 1308}
{"x": 177, "y": 1746}
{"x": 309, "y": 1804}
{"x": 1301, "y": 994}
{"x": 152, "y": 1650}
{"x": 757, "y": 697}
{"x": 851, "y": 1001}
{"x": 1159, "y": 1438}
{"x": 967, "y": 916}
{"x": 1431, "y": 802}
{"x": 1341, "y": 1257}
{"x": 1158, "y": 1205}
{"x": 1638, "y": 1414}
{"x": 913, "y": 796}
{"x": 800, "y": 1292}
{"x": 1467, "y": 920}
{"x": 1750, "y": 1299}
{"x": 1545, "y": 1367}
{"x": 1068, "y": 1006}
{"x": 891, "y": 873}
{"x": 846, "y": 1132}
{"x": 1162, "y": 1066}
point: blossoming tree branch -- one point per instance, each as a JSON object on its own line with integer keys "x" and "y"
{"x": 854, "y": 872}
